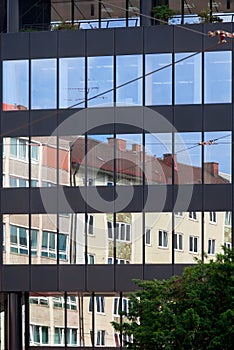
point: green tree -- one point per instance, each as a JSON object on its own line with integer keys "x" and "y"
{"x": 191, "y": 312}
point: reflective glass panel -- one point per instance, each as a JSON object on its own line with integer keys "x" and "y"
{"x": 217, "y": 232}
{"x": 44, "y": 239}
{"x": 71, "y": 160}
{"x": 217, "y": 154}
{"x": 129, "y": 159}
{"x": 43, "y": 84}
{"x": 129, "y": 68}
{"x": 47, "y": 319}
{"x": 113, "y": 14}
{"x": 158, "y": 85}
{"x": 100, "y": 79}
{"x": 218, "y": 77}
{"x": 16, "y": 239}
{"x": 74, "y": 319}
{"x": 188, "y": 78}
{"x": 158, "y": 158}
{"x": 71, "y": 82}
{"x": 187, "y": 161}
{"x": 187, "y": 236}
{"x": 15, "y": 85}
{"x": 158, "y": 236}
{"x": 100, "y": 160}
{"x": 16, "y": 162}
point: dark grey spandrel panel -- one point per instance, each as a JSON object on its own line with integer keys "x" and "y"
{"x": 188, "y": 118}
{"x": 43, "y": 200}
{"x": 158, "y": 119}
{"x": 212, "y": 43}
{"x": 100, "y": 119}
{"x": 15, "y": 46}
{"x": 15, "y": 278}
{"x": 43, "y": 44}
{"x": 218, "y": 197}
{"x": 217, "y": 117}
{"x": 188, "y": 38}
{"x": 179, "y": 268}
{"x": 100, "y": 42}
{"x": 14, "y": 201}
{"x": 128, "y": 41}
{"x": 72, "y": 122}
{"x": 44, "y": 278}
{"x": 131, "y": 198}
{"x": 158, "y": 198}
{"x": 100, "y": 278}
{"x": 72, "y": 278}
{"x": 158, "y": 39}
{"x": 71, "y": 43}
{"x": 130, "y": 117}
{"x": 15, "y": 123}
{"x": 71, "y": 199}
{"x": 188, "y": 197}
{"x": 159, "y": 271}
{"x": 124, "y": 275}
{"x": 100, "y": 199}
{"x": 43, "y": 122}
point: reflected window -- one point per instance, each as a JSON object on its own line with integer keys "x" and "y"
{"x": 193, "y": 244}
{"x": 158, "y": 85}
{"x": 15, "y": 85}
{"x": 100, "y": 79}
{"x": 129, "y": 68}
{"x": 43, "y": 84}
{"x": 71, "y": 82}
{"x": 178, "y": 241}
{"x": 188, "y": 78}
{"x": 163, "y": 239}
{"x": 211, "y": 246}
{"x": 39, "y": 335}
{"x": 218, "y": 77}
{"x": 19, "y": 239}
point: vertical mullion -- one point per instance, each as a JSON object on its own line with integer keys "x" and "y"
{"x": 65, "y": 319}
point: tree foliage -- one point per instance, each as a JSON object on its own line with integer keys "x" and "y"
{"x": 192, "y": 312}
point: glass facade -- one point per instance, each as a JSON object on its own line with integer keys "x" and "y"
{"x": 136, "y": 188}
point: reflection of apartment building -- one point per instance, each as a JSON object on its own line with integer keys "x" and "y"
{"x": 106, "y": 181}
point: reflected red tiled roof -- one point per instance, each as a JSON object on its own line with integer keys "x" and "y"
{"x": 130, "y": 163}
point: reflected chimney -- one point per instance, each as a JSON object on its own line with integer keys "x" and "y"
{"x": 212, "y": 168}
{"x": 120, "y": 144}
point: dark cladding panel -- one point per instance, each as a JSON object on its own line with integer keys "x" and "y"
{"x": 15, "y": 123}
{"x": 159, "y": 272}
{"x": 100, "y": 42}
{"x": 43, "y": 122}
{"x": 43, "y": 44}
{"x": 212, "y": 43}
{"x": 15, "y": 278}
{"x": 72, "y": 278}
{"x": 44, "y": 278}
{"x": 71, "y": 199}
{"x": 188, "y": 118}
{"x": 43, "y": 200}
{"x": 100, "y": 278}
{"x": 15, "y": 46}
{"x": 71, "y": 43}
{"x": 187, "y": 40}
{"x": 218, "y": 117}
{"x": 128, "y": 41}
{"x": 187, "y": 198}
{"x": 158, "y": 39}
{"x": 158, "y": 198}
{"x": 124, "y": 275}
{"x": 218, "y": 197}
{"x": 9, "y": 203}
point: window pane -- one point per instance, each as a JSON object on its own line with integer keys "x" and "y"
{"x": 43, "y": 84}
{"x": 100, "y": 79}
{"x": 218, "y": 77}
{"x": 159, "y": 251}
{"x": 71, "y": 82}
{"x": 158, "y": 158}
{"x": 217, "y": 154}
{"x": 187, "y": 79}
{"x": 158, "y": 89}
{"x": 129, "y": 68}
{"x": 15, "y": 85}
